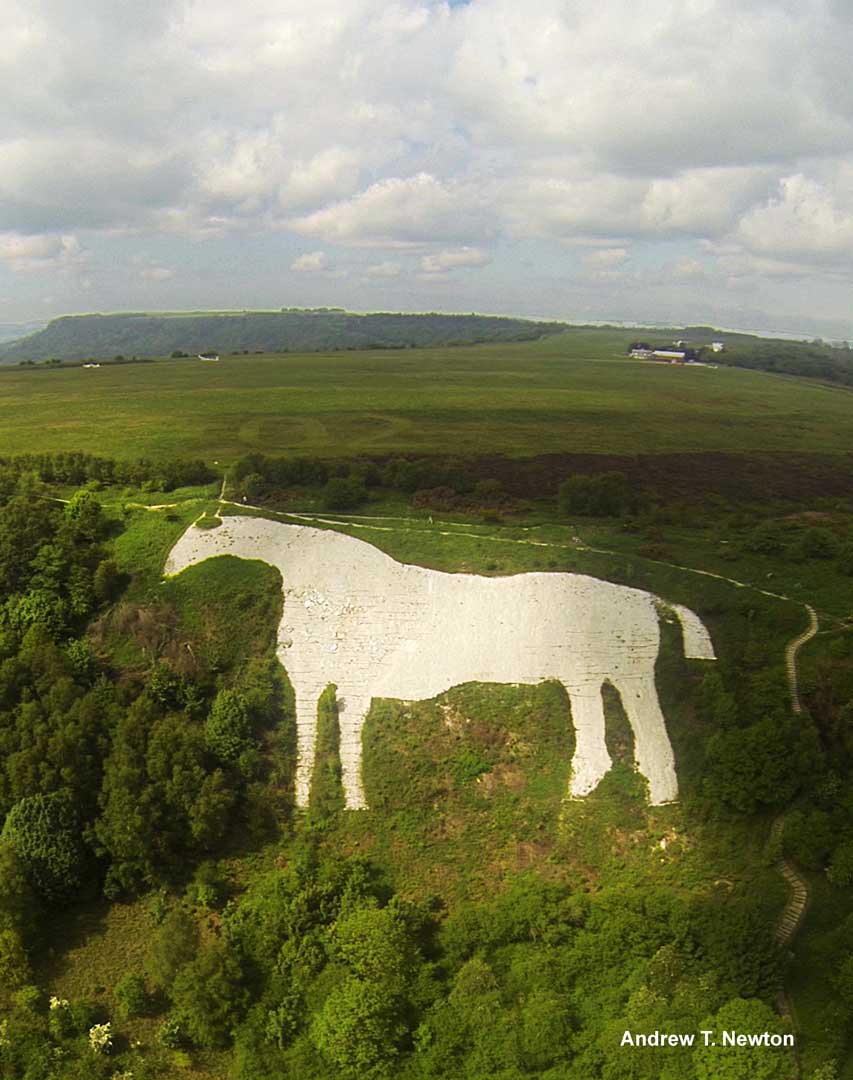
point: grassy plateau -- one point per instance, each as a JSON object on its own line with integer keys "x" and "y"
{"x": 574, "y": 392}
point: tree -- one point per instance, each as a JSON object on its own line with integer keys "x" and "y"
{"x": 343, "y": 493}
{"x": 209, "y": 996}
{"x": 358, "y": 1029}
{"x": 377, "y": 945}
{"x": 84, "y": 516}
{"x": 14, "y": 964}
{"x": 228, "y": 730}
{"x": 45, "y": 833}
{"x": 748, "y": 1016}
{"x": 173, "y": 945}
{"x": 210, "y": 814}
{"x": 605, "y": 495}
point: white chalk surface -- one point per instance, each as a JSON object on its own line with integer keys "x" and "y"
{"x": 375, "y": 627}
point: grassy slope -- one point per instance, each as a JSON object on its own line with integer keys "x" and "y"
{"x": 565, "y": 395}
{"x": 574, "y": 392}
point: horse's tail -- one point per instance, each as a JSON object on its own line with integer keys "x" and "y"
{"x": 697, "y": 640}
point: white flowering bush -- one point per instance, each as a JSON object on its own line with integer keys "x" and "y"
{"x": 101, "y": 1038}
{"x": 60, "y": 1021}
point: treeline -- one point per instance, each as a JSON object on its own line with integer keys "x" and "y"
{"x": 319, "y": 971}
{"x": 813, "y": 360}
{"x": 434, "y": 482}
{"x": 77, "y": 336}
{"x": 72, "y": 469}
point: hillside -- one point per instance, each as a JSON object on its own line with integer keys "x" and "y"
{"x": 74, "y": 337}
{"x": 176, "y": 902}
{"x": 568, "y": 393}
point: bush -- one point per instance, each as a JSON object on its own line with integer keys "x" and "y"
{"x": 606, "y": 495}
{"x": 816, "y": 544}
{"x": 343, "y": 493}
{"x": 228, "y": 730}
{"x": 131, "y": 995}
{"x": 209, "y": 997}
{"x": 174, "y": 944}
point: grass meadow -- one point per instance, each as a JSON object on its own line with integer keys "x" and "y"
{"x": 575, "y": 392}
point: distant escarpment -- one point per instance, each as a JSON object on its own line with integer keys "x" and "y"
{"x": 76, "y": 337}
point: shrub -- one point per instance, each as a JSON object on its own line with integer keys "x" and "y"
{"x": 209, "y": 997}
{"x": 343, "y": 493}
{"x": 816, "y": 544}
{"x": 228, "y": 731}
{"x": 606, "y": 495}
{"x": 14, "y": 965}
{"x": 132, "y": 996}
{"x": 101, "y": 1038}
{"x": 174, "y": 944}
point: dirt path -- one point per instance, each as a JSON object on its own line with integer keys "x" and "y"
{"x": 791, "y": 657}
{"x": 791, "y": 917}
{"x": 576, "y": 544}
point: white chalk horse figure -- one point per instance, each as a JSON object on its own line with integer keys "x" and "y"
{"x": 355, "y": 617}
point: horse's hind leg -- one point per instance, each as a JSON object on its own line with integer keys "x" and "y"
{"x": 591, "y": 759}
{"x": 352, "y": 712}
{"x": 306, "y": 740}
{"x": 652, "y": 748}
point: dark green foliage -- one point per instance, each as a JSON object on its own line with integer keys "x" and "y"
{"x": 132, "y": 996}
{"x": 810, "y": 359}
{"x": 14, "y": 964}
{"x": 816, "y": 544}
{"x": 19, "y": 906}
{"x": 295, "y": 330}
{"x": 208, "y": 996}
{"x": 173, "y": 946}
{"x": 809, "y": 837}
{"x": 744, "y": 1063}
{"x": 44, "y": 831}
{"x": 735, "y": 938}
{"x": 343, "y": 493}
{"x": 359, "y": 1030}
{"x": 326, "y": 797}
{"x": 228, "y": 729}
{"x": 604, "y": 495}
{"x": 160, "y": 798}
{"x": 74, "y": 468}
{"x": 763, "y": 764}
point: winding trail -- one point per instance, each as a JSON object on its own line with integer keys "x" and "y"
{"x": 791, "y": 657}
{"x": 791, "y": 917}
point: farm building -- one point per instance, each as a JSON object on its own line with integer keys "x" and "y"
{"x": 640, "y": 350}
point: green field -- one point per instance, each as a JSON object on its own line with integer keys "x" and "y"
{"x": 574, "y": 393}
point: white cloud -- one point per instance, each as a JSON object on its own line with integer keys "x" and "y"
{"x": 311, "y": 262}
{"x": 460, "y": 258}
{"x": 156, "y": 273}
{"x": 803, "y": 220}
{"x": 384, "y": 269}
{"x": 43, "y": 252}
{"x": 401, "y": 212}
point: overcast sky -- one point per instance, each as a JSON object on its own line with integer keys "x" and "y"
{"x": 649, "y": 160}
